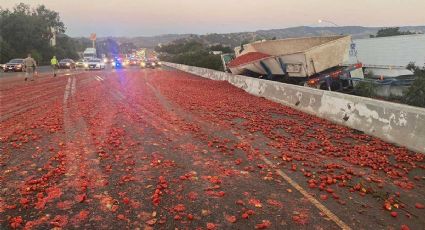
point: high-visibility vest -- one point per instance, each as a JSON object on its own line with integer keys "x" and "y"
{"x": 54, "y": 61}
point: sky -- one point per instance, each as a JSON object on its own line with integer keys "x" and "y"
{"x": 155, "y": 17}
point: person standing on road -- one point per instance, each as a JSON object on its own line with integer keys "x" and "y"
{"x": 30, "y": 65}
{"x": 54, "y": 64}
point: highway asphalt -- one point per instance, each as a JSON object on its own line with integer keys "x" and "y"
{"x": 163, "y": 149}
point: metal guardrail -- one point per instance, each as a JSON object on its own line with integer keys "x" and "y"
{"x": 394, "y": 81}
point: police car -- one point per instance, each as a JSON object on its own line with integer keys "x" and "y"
{"x": 94, "y": 64}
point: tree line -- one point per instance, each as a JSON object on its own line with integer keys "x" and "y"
{"x": 24, "y": 30}
{"x": 391, "y": 31}
{"x": 194, "y": 53}
{"x": 415, "y": 95}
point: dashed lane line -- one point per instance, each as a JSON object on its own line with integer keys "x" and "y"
{"x": 307, "y": 195}
{"x": 66, "y": 93}
{"x": 99, "y": 78}
{"x": 300, "y": 189}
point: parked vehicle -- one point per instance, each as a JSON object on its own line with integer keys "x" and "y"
{"x": 15, "y": 65}
{"x": 67, "y": 64}
{"x": 94, "y": 64}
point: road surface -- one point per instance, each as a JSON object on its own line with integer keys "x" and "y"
{"x": 44, "y": 70}
{"x": 163, "y": 149}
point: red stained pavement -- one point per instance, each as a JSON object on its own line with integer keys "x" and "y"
{"x": 163, "y": 149}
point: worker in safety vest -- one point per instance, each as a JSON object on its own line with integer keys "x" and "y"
{"x": 54, "y": 63}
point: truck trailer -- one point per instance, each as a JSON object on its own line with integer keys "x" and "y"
{"x": 310, "y": 61}
{"x": 89, "y": 53}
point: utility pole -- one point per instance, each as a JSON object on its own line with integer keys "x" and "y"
{"x": 53, "y": 38}
{"x": 93, "y": 39}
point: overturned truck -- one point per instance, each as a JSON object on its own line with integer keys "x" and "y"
{"x": 312, "y": 61}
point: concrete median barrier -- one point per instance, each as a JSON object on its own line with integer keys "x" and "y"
{"x": 395, "y": 123}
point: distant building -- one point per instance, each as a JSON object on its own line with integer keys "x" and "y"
{"x": 388, "y": 56}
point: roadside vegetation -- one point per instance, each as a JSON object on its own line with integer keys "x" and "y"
{"x": 25, "y": 29}
{"x": 365, "y": 88}
{"x": 193, "y": 53}
{"x": 415, "y": 95}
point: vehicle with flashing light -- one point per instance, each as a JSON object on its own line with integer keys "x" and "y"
{"x": 94, "y": 64}
{"x": 67, "y": 63}
{"x": 118, "y": 64}
{"x": 15, "y": 65}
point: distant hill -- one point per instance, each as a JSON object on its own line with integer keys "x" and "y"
{"x": 235, "y": 39}
{"x": 150, "y": 42}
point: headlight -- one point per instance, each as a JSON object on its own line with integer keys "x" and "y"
{"x": 19, "y": 66}
{"x": 86, "y": 65}
{"x": 142, "y": 64}
{"x": 159, "y": 63}
{"x": 68, "y": 64}
{"x": 153, "y": 64}
{"x": 105, "y": 60}
{"x": 113, "y": 63}
{"x": 97, "y": 65}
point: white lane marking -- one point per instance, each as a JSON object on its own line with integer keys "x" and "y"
{"x": 99, "y": 78}
{"x": 307, "y": 195}
{"x": 73, "y": 87}
{"x": 66, "y": 94}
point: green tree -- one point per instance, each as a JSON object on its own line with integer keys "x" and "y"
{"x": 191, "y": 52}
{"x": 180, "y": 47}
{"x": 365, "y": 89}
{"x": 391, "y": 31}
{"x": 65, "y": 47}
{"x": 415, "y": 95}
{"x": 25, "y": 29}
